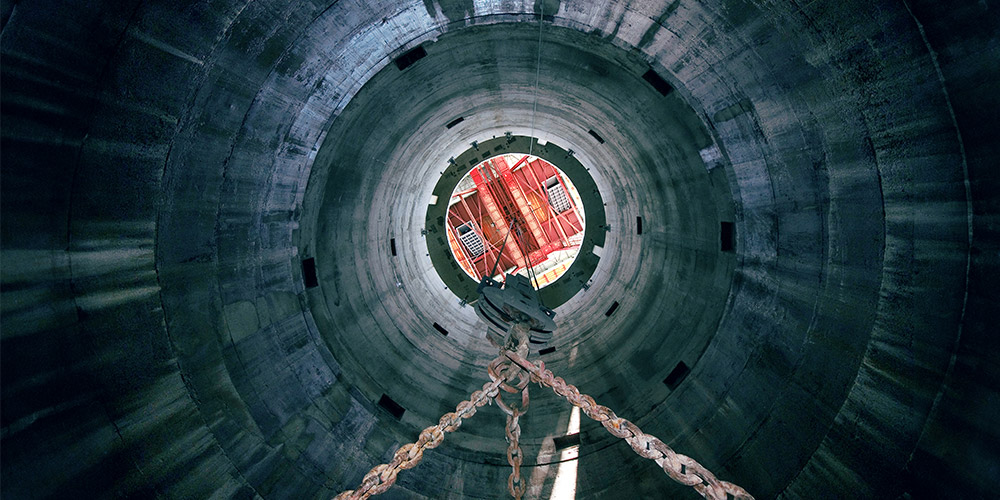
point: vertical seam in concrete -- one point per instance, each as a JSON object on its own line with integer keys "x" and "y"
{"x": 968, "y": 215}
{"x": 191, "y": 390}
{"x": 77, "y": 167}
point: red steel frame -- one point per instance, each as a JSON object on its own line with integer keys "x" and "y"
{"x": 502, "y": 198}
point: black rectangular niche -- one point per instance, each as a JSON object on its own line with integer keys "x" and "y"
{"x": 563, "y": 442}
{"x": 657, "y": 82}
{"x": 440, "y": 329}
{"x": 596, "y": 136}
{"x": 309, "y": 272}
{"x": 726, "y": 236}
{"x": 391, "y": 406}
{"x": 413, "y": 55}
{"x": 676, "y": 375}
{"x": 611, "y": 310}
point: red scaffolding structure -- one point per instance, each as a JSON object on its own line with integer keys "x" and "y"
{"x": 530, "y": 199}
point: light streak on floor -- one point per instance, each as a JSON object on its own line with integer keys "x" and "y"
{"x": 565, "y": 485}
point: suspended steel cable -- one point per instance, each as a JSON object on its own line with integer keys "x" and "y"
{"x": 538, "y": 69}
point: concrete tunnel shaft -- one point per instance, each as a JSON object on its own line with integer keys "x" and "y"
{"x": 407, "y": 147}
{"x": 815, "y": 359}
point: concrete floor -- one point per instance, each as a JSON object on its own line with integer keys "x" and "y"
{"x": 168, "y": 166}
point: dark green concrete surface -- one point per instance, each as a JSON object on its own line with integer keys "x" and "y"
{"x": 165, "y": 167}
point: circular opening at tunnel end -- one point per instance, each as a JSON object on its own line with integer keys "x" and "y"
{"x": 515, "y": 214}
{"x": 538, "y": 188}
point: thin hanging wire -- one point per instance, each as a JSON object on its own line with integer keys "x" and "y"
{"x": 524, "y": 254}
{"x": 538, "y": 69}
{"x": 532, "y": 277}
{"x": 502, "y": 246}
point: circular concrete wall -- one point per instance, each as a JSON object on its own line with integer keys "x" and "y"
{"x": 168, "y": 168}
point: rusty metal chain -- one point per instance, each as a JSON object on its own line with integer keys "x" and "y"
{"x": 511, "y": 365}
{"x": 515, "y": 483}
{"x": 503, "y": 368}
{"x": 382, "y": 476}
{"x": 680, "y": 468}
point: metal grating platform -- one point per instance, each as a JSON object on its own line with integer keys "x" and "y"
{"x": 471, "y": 239}
{"x": 557, "y": 195}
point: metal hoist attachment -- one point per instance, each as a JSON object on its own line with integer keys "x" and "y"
{"x": 501, "y": 306}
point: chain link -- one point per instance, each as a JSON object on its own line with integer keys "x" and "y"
{"x": 515, "y": 483}
{"x": 382, "y": 476}
{"x": 503, "y": 368}
{"x": 511, "y": 365}
{"x": 680, "y": 468}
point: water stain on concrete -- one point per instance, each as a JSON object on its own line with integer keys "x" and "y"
{"x": 454, "y": 10}
{"x": 650, "y": 33}
{"x": 547, "y": 8}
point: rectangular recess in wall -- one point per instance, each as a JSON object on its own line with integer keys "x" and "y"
{"x": 595, "y": 135}
{"x": 411, "y": 56}
{"x": 611, "y": 310}
{"x": 638, "y": 225}
{"x": 563, "y": 442}
{"x": 391, "y": 406}
{"x": 657, "y": 82}
{"x": 309, "y": 272}
{"x": 547, "y": 350}
{"x": 392, "y": 246}
{"x": 440, "y": 329}
{"x": 676, "y": 375}
{"x": 454, "y": 122}
{"x": 726, "y": 236}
